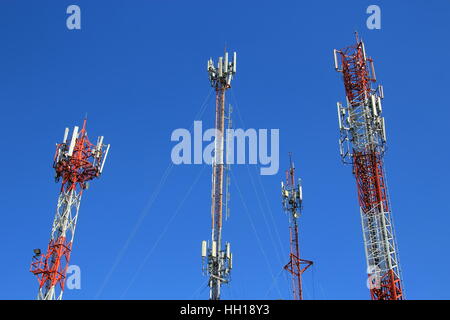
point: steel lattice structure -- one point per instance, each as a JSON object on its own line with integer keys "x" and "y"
{"x": 217, "y": 261}
{"x": 292, "y": 200}
{"x": 362, "y": 143}
{"x": 75, "y": 163}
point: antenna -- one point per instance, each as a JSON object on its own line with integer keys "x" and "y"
{"x": 292, "y": 201}
{"x": 362, "y": 144}
{"x": 75, "y": 169}
{"x": 218, "y": 262}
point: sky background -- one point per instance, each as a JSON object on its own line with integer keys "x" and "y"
{"x": 138, "y": 69}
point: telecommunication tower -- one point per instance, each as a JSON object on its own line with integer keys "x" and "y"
{"x": 362, "y": 144}
{"x": 217, "y": 261}
{"x": 292, "y": 200}
{"x": 76, "y": 162}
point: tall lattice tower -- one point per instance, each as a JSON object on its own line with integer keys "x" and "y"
{"x": 76, "y": 162}
{"x": 292, "y": 200}
{"x": 362, "y": 144}
{"x": 217, "y": 261}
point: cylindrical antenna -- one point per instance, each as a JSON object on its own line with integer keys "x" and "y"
{"x": 74, "y": 139}
{"x": 220, "y": 65}
{"x": 225, "y": 63}
{"x": 104, "y": 158}
{"x": 203, "y": 248}
{"x": 214, "y": 249}
{"x": 336, "y": 67}
{"x": 339, "y": 115}
{"x": 66, "y": 133}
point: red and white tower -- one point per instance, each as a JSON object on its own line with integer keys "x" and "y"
{"x": 76, "y": 162}
{"x": 217, "y": 261}
{"x": 362, "y": 144}
{"x": 292, "y": 200}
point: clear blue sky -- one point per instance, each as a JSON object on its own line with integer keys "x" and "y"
{"x": 138, "y": 69}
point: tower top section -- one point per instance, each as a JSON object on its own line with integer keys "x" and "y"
{"x": 220, "y": 75}
{"x": 361, "y": 122}
{"x": 291, "y": 192}
{"x": 77, "y": 160}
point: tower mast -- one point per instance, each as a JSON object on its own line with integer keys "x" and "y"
{"x": 292, "y": 200}
{"x": 362, "y": 144}
{"x": 76, "y": 162}
{"x": 217, "y": 261}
